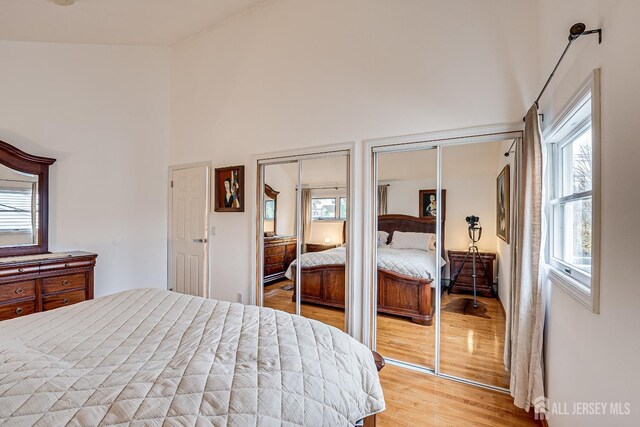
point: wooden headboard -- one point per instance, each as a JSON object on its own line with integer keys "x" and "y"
{"x": 407, "y": 223}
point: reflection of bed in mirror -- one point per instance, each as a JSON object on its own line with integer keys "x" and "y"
{"x": 405, "y": 277}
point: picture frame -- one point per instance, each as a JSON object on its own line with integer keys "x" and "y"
{"x": 428, "y": 200}
{"x": 503, "y": 204}
{"x": 229, "y": 189}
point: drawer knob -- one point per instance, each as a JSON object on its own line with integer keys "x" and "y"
{"x": 20, "y": 270}
{"x": 19, "y": 310}
{"x": 65, "y": 301}
{"x": 19, "y": 291}
{"x": 67, "y": 265}
{"x": 65, "y": 282}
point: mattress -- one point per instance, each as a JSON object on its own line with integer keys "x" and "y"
{"x": 409, "y": 262}
{"x": 153, "y": 357}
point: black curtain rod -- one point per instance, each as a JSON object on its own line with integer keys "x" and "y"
{"x": 575, "y": 31}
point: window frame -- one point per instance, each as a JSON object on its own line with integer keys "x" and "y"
{"x": 329, "y": 218}
{"x": 583, "y": 286}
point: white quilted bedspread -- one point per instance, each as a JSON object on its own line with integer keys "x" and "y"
{"x": 150, "y": 357}
{"x": 410, "y": 262}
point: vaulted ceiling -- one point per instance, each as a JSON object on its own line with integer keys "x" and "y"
{"x": 129, "y": 22}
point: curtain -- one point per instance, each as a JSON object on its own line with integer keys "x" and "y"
{"x": 306, "y": 216}
{"x": 525, "y": 320}
{"x": 382, "y": 199}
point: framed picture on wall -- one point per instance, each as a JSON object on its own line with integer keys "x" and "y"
{"x": 503, "y": 204}
{"x": 429, "y": 202}
{"x": 229, "y": 189}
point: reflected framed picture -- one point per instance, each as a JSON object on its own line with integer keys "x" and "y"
{"x": 503, "y": 208}
{"x": 429, "y": 204}
{"x": 229, "y": 189}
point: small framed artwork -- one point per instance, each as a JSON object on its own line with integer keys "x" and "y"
{"x": 429, "y": 204}
{"x": 229, "y": 189}
{"x": 503, "y": 204}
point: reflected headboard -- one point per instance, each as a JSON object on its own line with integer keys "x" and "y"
{"x": 407, "y": 223}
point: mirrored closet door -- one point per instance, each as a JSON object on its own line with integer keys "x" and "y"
{"x": 443, "y": 255}
{"x": 476, "y": 275}
{"x": 279, "y": 241}
{"x": 304, "y": 219}
{"x": 406, "y": 257}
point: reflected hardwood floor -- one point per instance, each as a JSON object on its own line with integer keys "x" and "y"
{"x": 472, "y": 344}
{"x": 416, "y": 399}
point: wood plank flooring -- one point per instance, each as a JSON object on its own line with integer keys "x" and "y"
{"x": 416, "y": 399}
{"x": 471, "y": 347}
{"x": 472, "y": 341}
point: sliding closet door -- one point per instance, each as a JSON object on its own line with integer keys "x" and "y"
{"x": 279, "y": 240}
{"x": 476, "y": 178}
{"x": 323, "y": 231}
{"x": 407, "y": 261}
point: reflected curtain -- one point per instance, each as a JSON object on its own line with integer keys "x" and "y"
{"x": 382, "y": 199}
{"x": 525, "y": 320}
{"x": 306, "y": 216}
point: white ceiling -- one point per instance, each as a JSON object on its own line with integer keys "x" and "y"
{"x": 130, "y": 22}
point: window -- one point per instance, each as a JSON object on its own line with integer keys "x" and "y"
{"x": 573, "y": 181}
{"x": 323, "y": 208}
{"x": 15, "y": 204}
{"x": 329, "y": 208}
{"x": 269, "y": 210}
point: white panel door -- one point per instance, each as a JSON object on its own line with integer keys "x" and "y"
{"x": 189, "y": 246}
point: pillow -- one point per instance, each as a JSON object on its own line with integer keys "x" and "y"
{"x": 408, "y": 240}
{"x": 383, "y": 238}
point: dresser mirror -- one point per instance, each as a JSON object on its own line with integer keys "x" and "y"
{"x": 24, "y": 196}
{"x": 270, "y": 210}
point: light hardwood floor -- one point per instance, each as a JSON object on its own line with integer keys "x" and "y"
{"x": 472, "y": 346}
{"x": 415, "y": 399}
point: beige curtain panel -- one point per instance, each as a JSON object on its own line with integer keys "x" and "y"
{"x": 306, "y": 216}
{"x": 525, "y": 320}
{"x": 382, "y": 199}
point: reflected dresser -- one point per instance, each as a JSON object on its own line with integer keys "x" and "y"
{"x": 33, "y": 283}
{"x": 279, "y": 252}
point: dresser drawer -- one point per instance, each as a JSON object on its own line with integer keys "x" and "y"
{"x": 62, "y": 283}
{"x": 274, "y": 250}
{"x": 67, "y": 264}
{"x": 12, "y": 271}
{"x": 274, "y": 259}
{"x": 61, "y": 300}
{"x": 17, "y": 309}
{"x": 17, "y": 290}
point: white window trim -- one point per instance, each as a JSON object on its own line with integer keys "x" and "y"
{"x": 590, "y": 298}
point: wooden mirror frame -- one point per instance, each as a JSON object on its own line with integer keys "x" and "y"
{"x": 273, "y": 195}
{"x": 17, "y": 159}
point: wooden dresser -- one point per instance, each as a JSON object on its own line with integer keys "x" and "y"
{"x": 464, "y": 283}
{"x": 279, "y": 252}
{"x": 33, "y": 283}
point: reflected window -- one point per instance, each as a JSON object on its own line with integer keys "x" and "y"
{"x": 15, "y": 205}
{"x": 323, "y": 208}
{"x": 269, "y": 210}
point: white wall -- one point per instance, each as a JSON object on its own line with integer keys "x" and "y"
{"x": 593, "y": 357}
{"x": 294, "y": 74}
{"x": 103, "y": 112}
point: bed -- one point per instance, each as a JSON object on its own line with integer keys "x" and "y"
{"x": 405, "y": 279}
{"x": 154, "y": 357}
